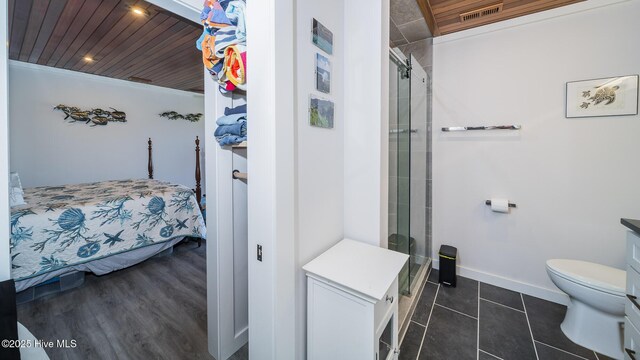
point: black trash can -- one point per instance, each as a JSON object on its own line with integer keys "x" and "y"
{"x": 447, "y": 273}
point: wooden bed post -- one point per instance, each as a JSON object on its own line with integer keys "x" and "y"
{"x": 198, "y": 188}
{"x": 150, "y": 165}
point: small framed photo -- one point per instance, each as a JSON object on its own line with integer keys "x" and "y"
{"x": 322, "y": 37}
{"x": 321, "y": 112}
{"x": 613, "y": 96}
{"x": 323, "y": 74}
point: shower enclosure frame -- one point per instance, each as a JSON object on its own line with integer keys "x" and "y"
{"x": 401, "y": 200}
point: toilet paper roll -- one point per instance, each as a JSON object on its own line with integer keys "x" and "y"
{"x": 500, "y": 205}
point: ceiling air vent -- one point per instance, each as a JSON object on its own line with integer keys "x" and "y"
{"x": 481, "y": 12}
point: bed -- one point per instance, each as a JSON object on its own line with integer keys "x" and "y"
{"x": 99, "y": 227}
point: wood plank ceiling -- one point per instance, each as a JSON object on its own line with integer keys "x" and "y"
{"x": 445, "y": 16}
{"x": 106, "y": 38}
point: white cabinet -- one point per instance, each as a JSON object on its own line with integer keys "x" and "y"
{"x": 632, "y": 305}
{"x": 352, "y": 303}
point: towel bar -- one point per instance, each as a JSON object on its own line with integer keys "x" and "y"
{"x": 495, "y": 127}
{"x": 239, "y": 175}
{"x": 402, "y": 131}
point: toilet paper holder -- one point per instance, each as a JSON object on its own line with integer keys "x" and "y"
{"x": 488, "y": 202}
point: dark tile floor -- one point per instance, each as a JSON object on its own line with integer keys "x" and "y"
{"x": 480, "y": 321}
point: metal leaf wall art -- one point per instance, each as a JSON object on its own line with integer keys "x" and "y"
{"x": 93, "y": 116}
{"x": 172, "y": 115}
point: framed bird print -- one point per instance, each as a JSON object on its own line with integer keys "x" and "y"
{"x": 603, "y": 97}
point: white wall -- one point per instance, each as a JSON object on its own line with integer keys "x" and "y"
{"x": 47, "y": 150}
{"x": 366, "y": 143}
{"x": 572, "y": 179}
{"x": 272, "y": 177}
{"x": 5, "y": 261}
{"x": 189, "y": 9}
{"x": 320, "y": 152}
{"x": 310, "y": 187}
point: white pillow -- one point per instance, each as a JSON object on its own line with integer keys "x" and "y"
{"x": 16, "y": 194}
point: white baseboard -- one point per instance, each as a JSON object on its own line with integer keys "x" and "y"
{"x": 510, "y": 284}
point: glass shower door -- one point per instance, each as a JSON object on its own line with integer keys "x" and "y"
{"x": 400, "y": 166}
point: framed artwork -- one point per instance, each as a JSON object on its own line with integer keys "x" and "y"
{"x": 603, "y": 97}
{"x": 321, "y": 112}
{"x": 323, "y": 74}
{"x": 322, "y": 37}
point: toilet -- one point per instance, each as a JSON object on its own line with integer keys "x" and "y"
{"x": 596, "y": 308}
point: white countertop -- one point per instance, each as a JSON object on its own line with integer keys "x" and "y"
{"x": 365, "y": 268}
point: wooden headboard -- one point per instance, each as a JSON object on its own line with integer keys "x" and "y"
{"x": 198, "y": 189}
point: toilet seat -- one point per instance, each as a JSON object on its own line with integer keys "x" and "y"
{"x": 595, "y": 276}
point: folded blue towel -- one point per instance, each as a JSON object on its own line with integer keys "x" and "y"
{"x": 217, "y": 68}
{"x": 205, "y": 13}
{"x": 228, "y": 139}
{"x": 217, "y": 15}
{"x": 225, "y": 37}
{"x": 239, "y": 129}
{"x": 236, "y": 110}
{"x": 224, "y": 3}
{"x": 200, "y": 40}
{"x": 235, "y": 13}
{"x": 231, "y": 119}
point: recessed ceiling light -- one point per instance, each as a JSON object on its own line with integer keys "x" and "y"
{"x": 88, "y": 59}
{"x": 139, "y": 11}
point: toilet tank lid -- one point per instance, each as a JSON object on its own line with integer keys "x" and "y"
{"x": 591, "y": 274}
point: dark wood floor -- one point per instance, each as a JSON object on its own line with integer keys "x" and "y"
{"x": 154, "y": 310}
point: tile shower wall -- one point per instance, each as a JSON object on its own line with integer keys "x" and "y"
{"x": 422, "y": 50}
{"x": 406, "y": 23}
{"x": 419, "y": 156}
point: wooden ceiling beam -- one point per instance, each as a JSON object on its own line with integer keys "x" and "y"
{"x": 525, "y": 8}
{"x": 69, "y": 12}
{"x": 46, "y": 29}
{"x": 143, "y": 65}
{"x": 443, "y": 16}
{"x": 104, "y": 36}
{"x": 457, "y": 5}
{"x": 21, "y": 12}
{"x": 76, "y": 25}
{"x": 97, "y": 18}
{"x": 37, "y": 14}
{"x": 131, "y": 30}
{"x": 427, "y": 13}
{"x": 159, "y": 47}
{"x": 146, "y": 49}
{"x": 135, "y": 43}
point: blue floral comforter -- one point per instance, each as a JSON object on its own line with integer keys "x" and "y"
{"x": 67, "y": 225}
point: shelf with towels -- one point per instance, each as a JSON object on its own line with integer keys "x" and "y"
{"x": 242, "y": 145}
